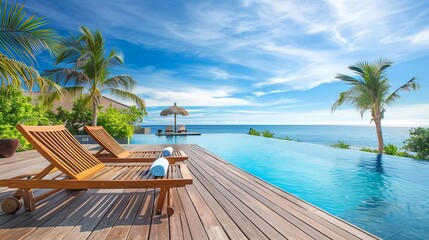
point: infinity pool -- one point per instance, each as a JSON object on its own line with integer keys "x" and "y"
{"x": 386, "y": 196}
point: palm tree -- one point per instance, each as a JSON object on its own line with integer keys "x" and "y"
{"x": 21, "y": 39}
{"x": 90, "y": 75}
{"x": 370, "y": 91}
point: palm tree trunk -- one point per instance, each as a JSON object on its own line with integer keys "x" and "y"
{"x": 379, "y": 136}
{"x": 94, "y": 114}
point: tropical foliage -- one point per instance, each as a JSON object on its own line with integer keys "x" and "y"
{"x": 267, "y": 133}
{"x": 89, "y": 72}
{"x": 21, "y": 39}
{"x": 74, "y": 120}
{"x": 370, "y": 92}
{"x": 254, "y": 132}
{"x": 341, "y": 144}
{"x": 418, "y": 142}
{"x": 390, "y": 149}
{"x": 116, "y": 123}
{"x": 17, "y": 109}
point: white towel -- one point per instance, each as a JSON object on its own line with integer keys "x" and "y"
{"x": 168, "y": 151}
{"x": 159, "y": 167}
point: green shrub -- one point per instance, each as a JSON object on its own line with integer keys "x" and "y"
{"x": 118, "y": 122}
{"x": 390, "y": 149}
{"x": 17, "y": 109}
{"x": 341, "y": 144}
{"x": 365, "y": 149}
{"x": 418, "y": 142}
{"x": 404, "y": 154}
{"x": 268, "y": 134}
{"x": 74, "y": 120}
{"x": 254, "y": 132}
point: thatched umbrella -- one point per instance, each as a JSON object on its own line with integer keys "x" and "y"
{"x": 174, "y": 110}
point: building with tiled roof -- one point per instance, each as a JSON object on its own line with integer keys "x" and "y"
{"x": 67, "y": 102}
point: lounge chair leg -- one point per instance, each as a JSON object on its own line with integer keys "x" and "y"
{"x": 29, "y": 204}
{"x": 161, "y": 200}
{"x": 170, "y": 209}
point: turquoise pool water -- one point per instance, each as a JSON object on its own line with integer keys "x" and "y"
{"x": 386, "y": 196}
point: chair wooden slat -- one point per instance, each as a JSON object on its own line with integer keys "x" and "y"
{"x": 117, "y": 153}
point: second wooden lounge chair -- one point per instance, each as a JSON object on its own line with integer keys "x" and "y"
{"x": 73, "y": 167}
{"x": 116, "y": 153}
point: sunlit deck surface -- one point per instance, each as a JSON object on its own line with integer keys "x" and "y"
{"x": 224, "y": 202}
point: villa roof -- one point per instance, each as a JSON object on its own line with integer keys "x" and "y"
{"x": 67, "y": 103}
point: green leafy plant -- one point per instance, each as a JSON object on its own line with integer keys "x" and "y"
{"x": 254, "y": 132}
{"x": 418, "y": 142}
{"x": 17, "y": 109}
{"x": 404, "y": 154}
{"x": 74, "y": 120}
{"x": 267, "y": 133}
{"x": 390, "y": 149}
{"x": 365, "y": 149}
{"x": 341, "y": 144}
{"x": 119, "y": 122}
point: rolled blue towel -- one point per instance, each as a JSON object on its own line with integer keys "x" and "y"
{"x": 159, "y": 167}
{"x": 168, "y": 151}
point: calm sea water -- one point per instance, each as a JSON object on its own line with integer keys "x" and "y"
{"x": 357, "y": 136}
{"x": 387, "y": 196}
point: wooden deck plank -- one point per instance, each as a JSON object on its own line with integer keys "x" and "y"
{"x": 123, "y": 223}
{"x": 224, "y": 202}
{"x": 26, "y": 223}
{"x": 85, "y": 227}
{"x": 105, "y": 225}
{"x": 159, "y": 226}
{"x": 140, "y": 227}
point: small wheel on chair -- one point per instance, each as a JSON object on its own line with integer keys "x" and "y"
{"x": 11, "y": 205}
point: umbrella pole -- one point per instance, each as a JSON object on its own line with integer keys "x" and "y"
{"x": 174, "y": 123}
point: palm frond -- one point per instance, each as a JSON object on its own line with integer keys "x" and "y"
{"x": 67, "y": 77}
{"x": 407, "y": 87}
{"x": 23, "y": 37}
{"x": 124, "y": 82}
{"x": 124, "y": 95}
{"x": 16, "y": 73}
{"x": 347, "y": 78}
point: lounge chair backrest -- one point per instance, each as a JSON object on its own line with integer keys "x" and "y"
{"x": 62, "y": 150}
{"x": 169, "y": 127}
{"x": 182, "y": 128}
{"x": 106, "y": 141}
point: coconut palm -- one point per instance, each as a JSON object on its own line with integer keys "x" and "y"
{"x": 21, "y": 39}
{"x": 370, "y": 91}
{"x": 89, "y": 76}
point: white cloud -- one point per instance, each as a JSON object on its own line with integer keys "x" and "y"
{"x": 190, "y": 96}
{"x": 421, "y": 37}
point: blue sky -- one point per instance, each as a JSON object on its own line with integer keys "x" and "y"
{"x": 256, "y": 62}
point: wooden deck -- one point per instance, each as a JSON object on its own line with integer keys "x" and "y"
{"x": 224, "y": 202}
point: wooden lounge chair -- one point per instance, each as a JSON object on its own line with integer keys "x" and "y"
{"x": 182, "y": 129}
{"x": 169, "y": 129}
{"x": 73, "y": 167}
{"x": 116, "y": 153}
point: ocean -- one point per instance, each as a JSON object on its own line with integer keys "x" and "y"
{"x": 356, "y": 136}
